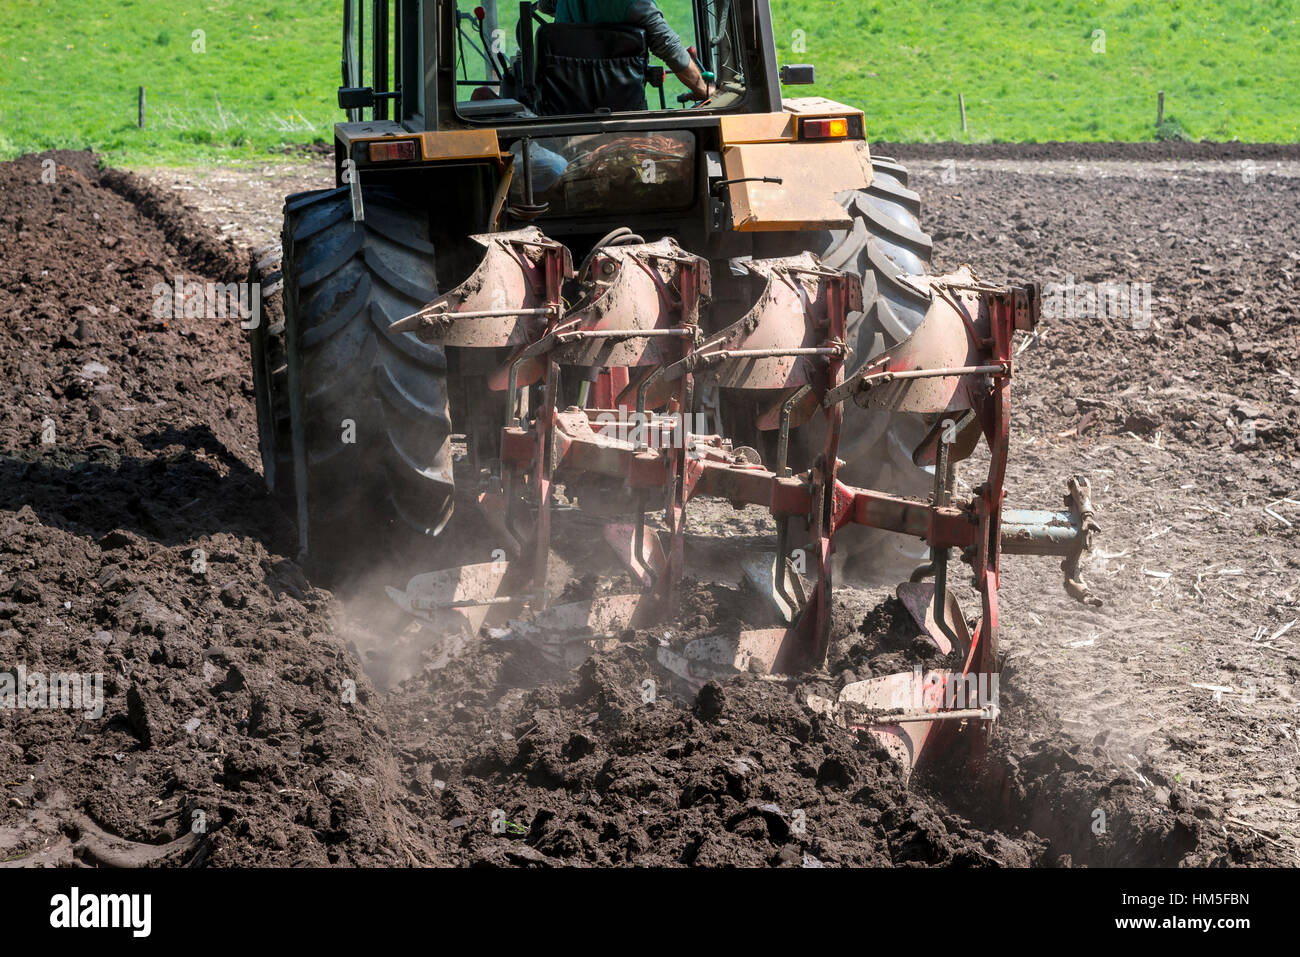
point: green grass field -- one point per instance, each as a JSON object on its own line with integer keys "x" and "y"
{"x": 71, "y": 70}
{"x": 1034, "y": 70}
{"x": 262, "y": 75}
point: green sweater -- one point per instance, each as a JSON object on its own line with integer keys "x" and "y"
{"x": 591, "y": 11}
{"x": 660, "y": 37}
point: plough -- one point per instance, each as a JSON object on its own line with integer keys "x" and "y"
{"x": 636, "y": 332}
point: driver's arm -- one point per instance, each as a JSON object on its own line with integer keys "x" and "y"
{"x": 667, "y": 46}
{"x": 693, "y": 80}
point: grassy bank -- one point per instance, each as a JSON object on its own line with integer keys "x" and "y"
{"x": 255, "y": 77}
{"x": 1038, "y": 70}
{"x": 229, "y": 81}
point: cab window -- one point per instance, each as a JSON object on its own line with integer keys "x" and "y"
{"x": 518, "y": 61}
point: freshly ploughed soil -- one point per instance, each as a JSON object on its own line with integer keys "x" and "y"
{"x": 251, "y": 717}
{"x": 1189, "y": 428}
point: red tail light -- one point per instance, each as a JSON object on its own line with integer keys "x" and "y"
{"x": 392, "y": 152}
{"x": 833, "y": 128}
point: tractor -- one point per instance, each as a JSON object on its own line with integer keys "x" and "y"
{"x": 555, "y": 275}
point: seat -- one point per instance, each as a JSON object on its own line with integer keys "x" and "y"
{"x": 590, "y": 67}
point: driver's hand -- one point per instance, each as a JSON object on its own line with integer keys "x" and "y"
{"x": 703, "y": 92}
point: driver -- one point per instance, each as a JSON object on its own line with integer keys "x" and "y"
{"x": 663, "y": 42}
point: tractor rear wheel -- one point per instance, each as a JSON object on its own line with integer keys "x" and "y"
{"x": 885, "y": 240}
{"x": 368, "y": 414}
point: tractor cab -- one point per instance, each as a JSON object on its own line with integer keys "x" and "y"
{"x": 581, "y": 126}
{"x": 521, "y": 61}
{"x": 515, "y": 62}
